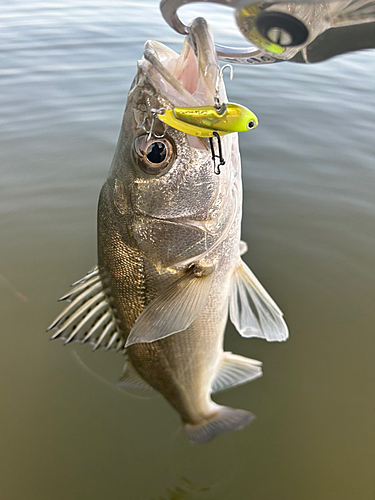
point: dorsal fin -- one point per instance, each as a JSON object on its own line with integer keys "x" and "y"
{"x": 89, "y": 316}
{"x": 235, "y": 370}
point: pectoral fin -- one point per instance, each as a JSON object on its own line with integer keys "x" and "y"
{"x": 235, "y": 370}
{"x": 174, "y": 310}
{"x": 252, "y": 311}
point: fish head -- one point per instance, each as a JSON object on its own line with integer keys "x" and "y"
{"x": 167, "y": 198}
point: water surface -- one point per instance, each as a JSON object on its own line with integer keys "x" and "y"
{"x": 309, "y": 220}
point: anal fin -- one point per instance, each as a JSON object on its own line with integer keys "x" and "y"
{"x": 131, "y": 378}
{"x": 235, "y": 370}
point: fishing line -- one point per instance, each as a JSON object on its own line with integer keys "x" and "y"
{"x": 112, "y": 385}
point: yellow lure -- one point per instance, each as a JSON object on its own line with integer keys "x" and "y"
{"x": 205, "y": 120}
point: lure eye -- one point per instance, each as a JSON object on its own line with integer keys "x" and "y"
{"x": 251, "y": 124}
{"x": 153, "y": 155}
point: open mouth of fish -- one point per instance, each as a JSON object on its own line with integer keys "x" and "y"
{"x": 188, "y": 79}
{"x": 191, "y": 79}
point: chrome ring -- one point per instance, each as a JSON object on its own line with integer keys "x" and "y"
{"x": 247, "y": 55}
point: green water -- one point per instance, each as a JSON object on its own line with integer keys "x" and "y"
{"x": 67, "y": 432}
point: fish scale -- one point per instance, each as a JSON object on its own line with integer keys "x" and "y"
{"x": 169, "y": 251}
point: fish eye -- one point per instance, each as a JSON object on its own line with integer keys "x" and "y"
{"x": 153, "y": 155}
{"x": 156, "y": 152}
{"x": 251, "y": 124}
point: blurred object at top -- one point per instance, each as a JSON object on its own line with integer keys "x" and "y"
{"x": 304, "y": 31}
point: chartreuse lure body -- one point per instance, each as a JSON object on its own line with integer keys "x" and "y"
{"x": 207, "y": 121}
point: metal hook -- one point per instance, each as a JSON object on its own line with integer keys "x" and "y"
{"x": 155, "y": 113}
{"x": 222, "y": 71}
{"x": 220, "y": 77}
{"x": 214, "y": 155}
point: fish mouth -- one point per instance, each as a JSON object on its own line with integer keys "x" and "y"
{"x": 189, "y": 78}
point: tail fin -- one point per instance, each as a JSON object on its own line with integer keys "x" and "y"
{"x": 226, "y": 419}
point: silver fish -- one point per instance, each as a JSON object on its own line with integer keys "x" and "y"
{"x": 169, "y": 250}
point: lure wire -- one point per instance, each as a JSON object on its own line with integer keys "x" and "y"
{"x": 220, "y": 108}
{"x": 214, "y": 155}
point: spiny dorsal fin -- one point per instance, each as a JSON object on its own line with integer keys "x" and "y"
{"x": 131, "y": 378}
{"x": 252, "y": 311}
{"x": 89, "y": 316}
{"x": 235, "y": 370}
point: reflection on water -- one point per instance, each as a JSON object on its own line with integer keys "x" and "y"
{"x": 186, "y": 490}
{"x": 309, "y": 219}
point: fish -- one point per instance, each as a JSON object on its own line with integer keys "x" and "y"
{"x": 169, "y": 251}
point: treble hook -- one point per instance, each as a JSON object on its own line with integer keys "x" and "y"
{"x": 155, "y": 113}
{"x": 219, "y": 79}
{"x": 214, "y": 155}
